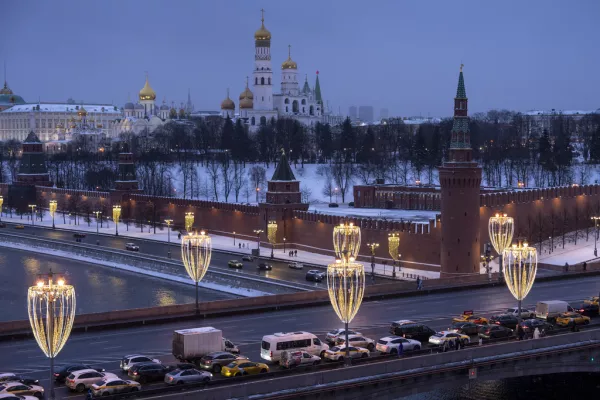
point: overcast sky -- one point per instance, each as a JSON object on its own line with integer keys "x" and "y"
{"x": 403, "y": 55}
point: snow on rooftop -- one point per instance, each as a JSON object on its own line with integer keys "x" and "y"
{"x": 422, "y": 216}
{"x": 560, "y": 112}
{"x": 71, "y": 108}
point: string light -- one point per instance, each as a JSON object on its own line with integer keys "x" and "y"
{"x": 189, "y": 221}
{"x": 346, "y": 286}
{"x": 346, "y": 241}
{"x": 196, "y": 251}
{"x": 52, "y": 208}
{"x": 520, "y": 269}
{"x": 116, "y": 216}
{"x": 394, "y": 245}
{"x": 501, "y": 229}
{"x": 272, "y": 232}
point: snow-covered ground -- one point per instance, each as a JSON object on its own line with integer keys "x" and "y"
{"x": 572, "y": 254}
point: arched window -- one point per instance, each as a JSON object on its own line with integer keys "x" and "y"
{"x": 253, "y": 121}
{"x": 303, "y": 101}
{"x": 311, "y": 110}
{"x": 263, "y": 120}
{"x": 256, "y": 81}
{"x": 295, "y": 106}
{"x": 262, "y": 81}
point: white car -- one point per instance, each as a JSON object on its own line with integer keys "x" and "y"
{"x": 132, "y": 247}
{"x": 128, "y": 361}
{"x": 445, "y": 336}
{"x": 85, "y": 378}
{"x": 525, "y": 313}
{"x": 357, "y": 341}
{"x": 295, "y": 265}
{"x": 290, "y": 359}
{"x": 18, "y": 388}
{"x": 332, "y": 336}
{"x": 337, "y": 353}
{"x": 391, "y": 344}
{"x": 16, "y": 397}
{"x": 113, "y": 386}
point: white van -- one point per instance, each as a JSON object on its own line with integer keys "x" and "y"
{"x": 273, "y": 345}
{"x": 550, "y": 309}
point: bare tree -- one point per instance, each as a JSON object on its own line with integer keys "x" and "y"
{"x": 342, "y": 173}
{"x": 239, "y": 181}
{"x": 305, "y": 193}
{"x": 324, "y": 171}
{"x": 365, "y": 172}
{"x": 258, "y": 176}
{"x": 227, "y": 172}
{"x": 213, "y": 172}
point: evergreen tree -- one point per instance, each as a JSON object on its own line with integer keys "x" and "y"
{"x": 595, "y": 146}
{"x": 227, "y": 135}
{"x": 419, "y": 152}
{"x": 366, "y": 153}
{"x": 324, "y": 139}
{"x": 347, "y": 142}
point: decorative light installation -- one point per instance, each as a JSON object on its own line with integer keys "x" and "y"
{"x": 346, "y": 241}
{"x": 32, "y": 206}
{"x": 196, "y": 251}
{"x": 501, "y": 229}
{"x": 520, "y": 270}
{"x": 394, "y": 245}
{"x": 189, "y": 221}
{"x": 272, "y": 234}
{"x": 1, "y": 202}
{"x": 51, "y": 308}
{"x": 116, "y": 216}
{"x": 52, "y": 207}
{"x": 168, "y": 222}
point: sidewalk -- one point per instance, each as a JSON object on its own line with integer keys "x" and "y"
{"x": 222, "y": 243}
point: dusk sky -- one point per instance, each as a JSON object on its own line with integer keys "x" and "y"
{"x": 402, "y": 55}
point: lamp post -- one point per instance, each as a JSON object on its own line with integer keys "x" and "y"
{"x": 189, "y": 221}
{"x": 501, "y": 229}
{"x": 168, "y": 222}
{"x": 284, "y": 245}
{"x": 1, "y": 202}
{"x": 258, "y": 232}
{"x": 373, "y": 246}
{"x": 52, "y": 207}
{"x": 272, "y": 235}
{"x": 486, "y": 258}
{"x": 233, "y": 238}
{"x": 394, "y": 250}
{"x": 32, "y": 206}
{"x": 196, "y": 251}
{"x": 51, "y": 309}
{"x": 116, "y": 216}
{"x": 520, "y": 270}
{"x": 97, "y": 213}
{"x": 257, "y": 191}
{"x": 335, "y": 190}
{"x": 595, "y": 219}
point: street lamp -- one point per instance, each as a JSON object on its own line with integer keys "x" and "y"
{"x": 189, "y": 221}
{"x": 97, "y": 213}
{"x": 233, "y": 238}
{"x": 336, "y": 194}
{"x": 272, "y": 235}
{"x": 116, "y": 216}
{"x": 257, "y": 190}
{"x": 52, "y": 207}
{"x": 486, "y": 258}
{"x": 594, "y": 218}
{"x": 373, "y": 246}
{"x": 196, "y": 251}
{"x": 32, "y": 206}
{"x": 284, "y": 245}
{"x": 501, "y": 229}
{"x": 520, "y": 270}
{"x": 394, "y": 250}
{"x": 346, "y": 241}
{"x": 51, "y": 309}
{"x": 258, "y": 232}
{"x": 168, "y": 222}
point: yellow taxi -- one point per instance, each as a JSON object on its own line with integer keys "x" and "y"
{"x": 244, "y": 367}
{"x": 592, "y": 300}
{"x": 337, "y": 353}
{"x": 571, "y": 318}
{"x": 468, "y": 316}
{"x": 19, "y": 227}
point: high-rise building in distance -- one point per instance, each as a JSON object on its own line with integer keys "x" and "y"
{"x": 353, "y": 112}
{"x": 365, "y": 113}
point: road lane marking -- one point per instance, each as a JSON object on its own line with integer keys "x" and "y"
{"x": 247, "y": 331}
{"x": 103, "y": 341}
{"x": 113, "y": 347}
{"x": 26, "y": 351}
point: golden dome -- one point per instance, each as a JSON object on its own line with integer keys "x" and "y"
{"x": 147, "y": 93}
{"x": 246, "y": 93}
{"x": 289, "y": 63}
{"x": 82, "y": 112}
{"x": 263, "y": 33}
{"x": 227, "y": 104}
{"x": 246, "y": 103}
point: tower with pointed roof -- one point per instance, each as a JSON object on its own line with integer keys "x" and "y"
{"x": 147, "y": 98}
{"x": 263, "y": 72}
{"x": 460, "y": 181}
{"x": 32, "y": 168}
{"x": 318, "y": 97}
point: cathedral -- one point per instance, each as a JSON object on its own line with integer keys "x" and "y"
{"x": 257, "y": 106}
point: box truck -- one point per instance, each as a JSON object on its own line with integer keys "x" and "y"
{"x": 550, "y": 309}
{"x": 192, "y": 344}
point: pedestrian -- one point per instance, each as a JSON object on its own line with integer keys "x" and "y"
{"x": 566, "y": 267}
{"x": 418, "y": 283}
{"x": 521, "y": 332}
{"x": 296, "y": 253}
{"x": 451, "y": 344}
{"x": 240, "y": 245}
{"x": 584, "y": 266}
{"x": 89, "y": 395}
{"x": 179, "y": 235}
{"x": 445, "y": 347}
{"x": 481, "y": 341}
{"x": 536, "y": 333}
{"x": 400, "y": 350}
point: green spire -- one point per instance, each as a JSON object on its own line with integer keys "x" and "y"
{"x": 306, "y": 88}
{"x": 318, "y": 91}
{"x": 283, "y": 172}
{"x": 461, "y": 92}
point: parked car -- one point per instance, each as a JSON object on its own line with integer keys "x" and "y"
{"x": 356, "y": 341}
{"x": 529, "y": 326}
{"x": 19, "y": 226}
{"x": 525, "y": 313}
{"x": 398, "y": 323}
{"x": 295, "y": 265}
{"x": 216, "y": 361}
{"x": 338, "y": 353}
{"x": 107, "y": 387}
{"x": 128, "y": 361}
{"x": 415, "y": 331}
{"x": 79, "y": 235}
{"x": 61, "y": 374}
{"x": 264, "y": 267}
{"x": 446, "y": 336}
{"x": 333, "y": 335}
{"x": 21, "y": 389}
{"x": 592, "y": 300}
{"x": 181, "y": 376}
{"x": 291, "y": 359}
{"x": 244, "y": 367}
{"x": 588, "y": 309}
{"x": 148, "y": 372}
{"x": 507, "y": 320}
{"x": 315, "y": 275}
{"x": 132, "y": 247}
{"x": 247, "y": 258}
{"x": 468, "y": 316}
{"x": 85, "y": 378}
{"x": 181, "y": 366}
{"x": 571, "y": 319}
{"x": 11, "y": 377}
{"x": 234, "y": 264}
{"x": 494, "y": 332}
{"x": 7, "y": 396}
{"x": 391, "y": 344}
{"x": 334, "y": 205}
{"x": 466, "y": 328}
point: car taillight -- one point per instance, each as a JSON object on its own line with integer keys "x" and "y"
{"x": 581, "y": 310}
{"x": 271, "y": 353}
{"x": 497, "y": 322}
{"x": 135, "y": 373}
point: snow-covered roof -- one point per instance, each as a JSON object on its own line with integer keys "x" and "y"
{"x": 561, "y": 112}
{"x": 423, "y": 216}
{"x": 57, "y": 108}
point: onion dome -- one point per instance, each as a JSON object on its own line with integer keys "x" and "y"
{"x": 289, "y": 63}
{"x": 246, "y": 93}
{"x": 128, "y": 106}
{"x": 6, "y": 89}
{"x": 82, "y": 112}
{"x": 262, "y": 33}
{"x": 164, "y": 105}
{"x": 147, "y": 93}
{"x": 138, "y": 106}
{"x": 227, "y": 104}
{"x": 246, "y": 103}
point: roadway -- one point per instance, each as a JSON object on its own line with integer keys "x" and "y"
{"x": 104, "y": 349}
{"x": 219, "y": 258}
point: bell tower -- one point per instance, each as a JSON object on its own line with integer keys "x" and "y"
{"x": 460, "y": 181}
